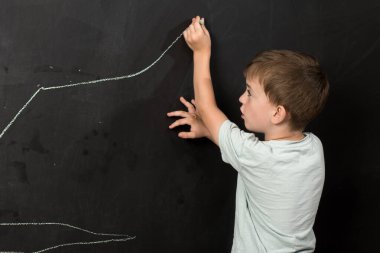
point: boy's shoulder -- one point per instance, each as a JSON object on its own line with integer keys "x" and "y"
{"x": 234, "y": 139}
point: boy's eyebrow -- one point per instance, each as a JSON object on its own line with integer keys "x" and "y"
{"x": 249, "y": 87}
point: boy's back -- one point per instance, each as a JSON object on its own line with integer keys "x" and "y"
{"x": 278, "y": 190}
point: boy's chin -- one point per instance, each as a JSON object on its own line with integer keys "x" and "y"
{"x": 248, "y": 127}
{"x": 251, "y": 128}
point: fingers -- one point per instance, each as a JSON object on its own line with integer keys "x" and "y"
{"x": 196, "y": 25}
{"x": 180, "y": 122}
{"x": 188, "y": 118}
{"x": 186, "y": 135}
{"x": 189, "y": 106}
{"x": 199, "y": 23}
{"x": 193, "y": 102}
{"x": 178, "y": 114}
{"x": 192, "y": 28}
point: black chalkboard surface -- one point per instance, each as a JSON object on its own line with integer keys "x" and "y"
{"x": 101, "y": 156}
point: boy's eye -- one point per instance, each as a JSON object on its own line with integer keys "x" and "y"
{"x": 249, "y": 92}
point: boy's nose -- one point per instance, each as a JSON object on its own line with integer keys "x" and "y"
{"x": 241, "y": 99}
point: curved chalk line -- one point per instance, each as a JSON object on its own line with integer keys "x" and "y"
{"x": 123, "y": 239}
{"x": 60, "y": 224}
{"x": 84, "y": 83}
{"x": 126, "y": 237}
{"x": 72, "y": 244}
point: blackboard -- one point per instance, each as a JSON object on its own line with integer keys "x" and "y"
{"x": 101, "y": 157}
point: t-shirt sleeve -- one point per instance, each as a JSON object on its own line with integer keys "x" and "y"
{"x": 233, "y": 142}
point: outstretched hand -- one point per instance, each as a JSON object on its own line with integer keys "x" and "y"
{"x": 191, "y": 118}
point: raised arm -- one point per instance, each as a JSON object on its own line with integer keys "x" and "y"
{"x": 198, "y": 39}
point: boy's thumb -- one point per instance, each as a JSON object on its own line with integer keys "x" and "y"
{"x": 205, "y": 29}
{"x": 202, "y": 21}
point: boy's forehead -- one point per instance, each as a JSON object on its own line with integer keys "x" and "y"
{"x": 254, "y": 83}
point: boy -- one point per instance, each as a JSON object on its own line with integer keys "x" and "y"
{"x": 280, "y": 179}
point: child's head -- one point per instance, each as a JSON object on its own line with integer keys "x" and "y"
{"x": 293, "y": 85}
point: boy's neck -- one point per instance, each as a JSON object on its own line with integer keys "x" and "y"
{"x": 285, "y": 136}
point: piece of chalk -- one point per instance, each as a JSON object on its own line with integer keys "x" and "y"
{"x": 202, "y": 21}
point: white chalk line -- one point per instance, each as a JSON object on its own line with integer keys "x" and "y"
{"x": 123, "y": 239}
{"x": 126, "y": 237}
{"x": 60, "y": 224}
{"x": 84, "y": 83}
{"x": 73, "y": 244}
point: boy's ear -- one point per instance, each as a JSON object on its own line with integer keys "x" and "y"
{"x": 279, "y": 115}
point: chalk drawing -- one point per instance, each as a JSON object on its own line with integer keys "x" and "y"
{"x": 83, "y": 83}
{"x": 116, "y": 237}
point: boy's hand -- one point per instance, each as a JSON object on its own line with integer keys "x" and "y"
{"x": 197, "y": 37}
{"x": 191, "y": 118}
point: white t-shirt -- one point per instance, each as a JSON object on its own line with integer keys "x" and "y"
{"x": 278, "y": 190}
